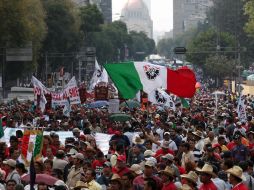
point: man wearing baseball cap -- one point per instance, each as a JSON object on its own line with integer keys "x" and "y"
{"x": 120, "y": 167}
{"x": 11, "y": 167}
{"x": 138, "y": 182}
{"x": 76, "y": 170}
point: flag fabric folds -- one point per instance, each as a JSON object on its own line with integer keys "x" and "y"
{"x": 31, "y": 145}
{"x": 160, "y": 97}
{"x": 1, "y": 129}
{"x": 99, "y": 75}
{"x": 130, "y": 77}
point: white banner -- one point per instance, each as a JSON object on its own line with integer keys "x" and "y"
{"x": 241, "y": 109}
{"x": 70, "y": 92}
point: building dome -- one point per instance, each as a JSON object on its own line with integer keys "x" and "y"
{"x": 135, "y": 4}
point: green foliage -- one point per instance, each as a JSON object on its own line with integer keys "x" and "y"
{"x": 91, "y": 18}
{"x": 205, "y": 44}
{"x": 219, "y": 66}
{"x": 63, "y": 31}
{"x": 249, "y": 10}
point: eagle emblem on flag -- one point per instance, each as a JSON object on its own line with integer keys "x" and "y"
{"x": 99, "y": 73}
{"x": 151, "y": 72}
{"x": 160, "y": 98}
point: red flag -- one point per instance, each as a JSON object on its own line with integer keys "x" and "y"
{"x": 181, "y": 82}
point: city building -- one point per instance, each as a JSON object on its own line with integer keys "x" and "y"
{"x": 148, "y": 4}
{"x": 137, "y": 17}
{"x": 188, "y": 13}
{"x": 105, "y": 7}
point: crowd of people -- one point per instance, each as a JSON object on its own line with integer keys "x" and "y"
{"x": 205, "y": 146}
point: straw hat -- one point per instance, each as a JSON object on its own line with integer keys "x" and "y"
{"x": 136, "y": 168}
{"x": 185, "y": 187}
{"x": 192, "y": 176}
{"x": 208, "y": 169}
{"x": 168, "y": 171}
{"x": 237, "y": 172}
{"x": 80, "y": 184}
{"x": 138, "y": 140}
{"x": 198, "y": 133}
{"x": 116, "y": 177}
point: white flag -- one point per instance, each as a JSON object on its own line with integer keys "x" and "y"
{"x": 160, "y": 97}
{"x": 99, "y": 75}
{"x": 241, "y": 109}
{"x": 43, "y": 102}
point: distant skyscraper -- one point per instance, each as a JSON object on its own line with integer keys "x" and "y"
{"x": 188, "y": 13}
{"x": 137, "y": 17}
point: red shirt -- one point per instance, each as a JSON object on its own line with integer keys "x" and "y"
{"x": 160, "y": 153}
{"x": 208, "y": 186}
{"x": 240, "y": 186}
{"x": 169, "y": 186}
{"x": 120, "y": 172}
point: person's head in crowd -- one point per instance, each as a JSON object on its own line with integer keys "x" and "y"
{"x": 15, "y": 154}
{"x": 223, "y": 175}
{"x": 250, "y": 167}
{"x": 168, "y": 159}
{"x": 190, "y": 179}
{"x": 137, "y": 149}
{"x": 76, "y": 132}
{"x": 11, "y": 184}
{"x": 86, "y": 166}
{"x": 227, "y": 164}
{"x": 190, "y": 166}
{"x": 49, "y": 153}
{"x": 47, "y": 140}
{"x": 235, "y": 175}
{"x": 149, "y": 168}
{"x": 166, "y": 136}
{"x": 78, "y": 160}
{"x": 217, "y": 148}
{"x": 88, "y": 176}
{"x": 10, "y": 165}
{"x": 121, "y": 162}
{"x": 48, "y": 165}
{"x": 115, "y": 182}
{"x": 100, "y": 156}
{"x": 38, "y": 165}
{"x": 136, "y": 170}
{"x": 20, "y": 167}
{"x": 69, "y": 140}
{"x": 167, "y": 175}
{"x": 57, "y": 173}
{"x": 120, "y": 148}
{"x": 150, "y": 184}
{"x": 243, "y": 165}
{"x": 148, "y": 153}
{"x": 250, "y": 135}
{"x": 148, "y": 144}
{"x": 127, "y": 180}
{"x": 237, "y": 138}
{"x": 206, "y": 173}
{"x": 107, "y": 170}
{"x": 221, "y": 131}
{"x": 226, "y": 155}
{"x": 19, "y": 187}
{"x": 19, "y": 134}
{"x": 42, "y": 186}
{"x": 211, "y": 135}
{"x": 185, "y": 147}
{"x": 14, "y": 142}
{"x": 221, "y": 140}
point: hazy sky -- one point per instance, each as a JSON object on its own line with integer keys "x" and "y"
{"x": 162, "y": 13}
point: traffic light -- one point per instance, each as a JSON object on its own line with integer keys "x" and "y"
{"x": 180, "y": 50}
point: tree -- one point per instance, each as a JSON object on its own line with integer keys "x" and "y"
{"x": 205, "y": 45}
{"x": 63, "y": 33}
{"x": 249, "y": 11}
{"x": 142, "y": 46}
{"x": 21, "y": 22}
{"x": 91, "y": 19}
{"x": 219, "y": 67}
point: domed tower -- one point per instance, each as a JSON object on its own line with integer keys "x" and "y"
{"x": 137, "y": 18}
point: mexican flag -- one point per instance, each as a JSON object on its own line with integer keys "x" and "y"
{"x": 185, "y": 103}
{"x": 130, "y": 77}
{"x": 31, "y": 145}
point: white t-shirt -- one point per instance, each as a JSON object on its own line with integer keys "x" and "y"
{"x": 171, "y": 146}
